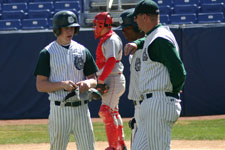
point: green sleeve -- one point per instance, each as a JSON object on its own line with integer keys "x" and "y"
{"x": 90, "y": 66}
{"x": 43, "y": 65}
{"x": 140, "y": 42}
{"x": 163, "y": 51}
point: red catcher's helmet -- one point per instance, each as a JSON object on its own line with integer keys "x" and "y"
{"x": 102, "y": 20}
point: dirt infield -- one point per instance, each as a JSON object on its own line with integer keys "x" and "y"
{"x": 45, "y": 121}
{"x": 176, "y": 144}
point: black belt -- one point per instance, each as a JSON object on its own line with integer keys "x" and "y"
{"x": 172, "y": 95}
{"x": 73, "y": 104}
{"x": 149, "y": 95}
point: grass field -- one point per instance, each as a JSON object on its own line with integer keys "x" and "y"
{"x": 183, "y": 130}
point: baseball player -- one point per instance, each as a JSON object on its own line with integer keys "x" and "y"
{"x": 108, "y": 59}
{"x": 131, "y": 32}
{"x": 161, "y": 78}
{"x": 66, "y": 71}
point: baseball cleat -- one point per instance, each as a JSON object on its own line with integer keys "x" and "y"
{"x": 110, "y": 148}
{"x": 124, "y": 147}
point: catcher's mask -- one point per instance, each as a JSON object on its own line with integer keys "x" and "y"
{"x": 103, "y": 19}
{"x": 65, "y": 19}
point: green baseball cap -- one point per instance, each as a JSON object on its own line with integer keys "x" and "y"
{"x": 146, "y": 7}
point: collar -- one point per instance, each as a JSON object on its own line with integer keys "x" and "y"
{"x": 159, "y": 25}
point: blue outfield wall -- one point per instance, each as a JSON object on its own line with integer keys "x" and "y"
{"x": 201, "y": 47}
{"x": 203, "y": 50}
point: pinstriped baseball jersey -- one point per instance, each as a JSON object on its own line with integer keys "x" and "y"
{"x": 155, "y": 76}
{"x": 134, "y": 91}
{"x": 135, "y": 66}
{"x": 158, "y": 111}
{"x": 62, "y": 62}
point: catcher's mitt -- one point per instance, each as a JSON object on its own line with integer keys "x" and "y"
{"x": 102, "y": 88}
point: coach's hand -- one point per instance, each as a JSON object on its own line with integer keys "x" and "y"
{"x": 130, "y": 48}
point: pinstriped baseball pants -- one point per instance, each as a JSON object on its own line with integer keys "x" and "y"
{"x": 157, "y": 116}
{"x": 67, "y": 120}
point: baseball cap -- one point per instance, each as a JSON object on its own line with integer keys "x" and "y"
{"x": 126, "y": 20}
{"x": 147, "y": 7}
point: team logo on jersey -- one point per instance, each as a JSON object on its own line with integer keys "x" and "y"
{"x": 78, "y": 62}
{"x": 145, "y": 55}
{"x": 138, "y": 64}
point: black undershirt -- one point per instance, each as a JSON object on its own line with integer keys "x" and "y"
{"x": 67, "y": 46}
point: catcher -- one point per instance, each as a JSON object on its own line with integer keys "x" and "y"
{"x": 108, "y": 59}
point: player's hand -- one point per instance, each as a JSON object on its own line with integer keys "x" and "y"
{"x": 83, "y": 85}
{"x": 69, "y": 85}
{"x": 130, "y": 48}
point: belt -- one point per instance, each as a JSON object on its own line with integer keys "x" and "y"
{"x": 115, "y": 73}
{"x": 149, "y": 95}
{"x": 137, "y": 102}
{"x": 73, "y": 104}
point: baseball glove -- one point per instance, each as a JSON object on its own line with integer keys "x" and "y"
{"x": 75, "y": 92}
{"x": 102, "y": 88}
{"x": 131, "y": 123}
{"x": 95, "y": 94}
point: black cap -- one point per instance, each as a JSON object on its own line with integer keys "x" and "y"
{"x": 146, "y": 7}
{"x": 126, "y": 20}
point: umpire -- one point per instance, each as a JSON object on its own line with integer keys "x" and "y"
{"x": 161, "y": 79}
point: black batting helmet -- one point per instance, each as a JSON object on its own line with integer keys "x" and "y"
{"x": 126, "y": 20}
{"x": 65, "y": 18}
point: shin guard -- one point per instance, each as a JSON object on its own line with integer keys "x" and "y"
{"x": 110, "y": 125}
{"x": 120, "y": 128}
